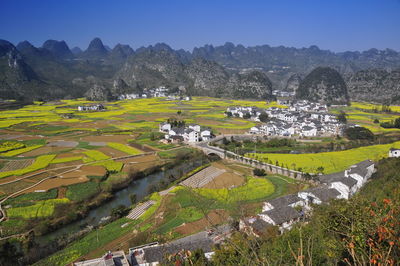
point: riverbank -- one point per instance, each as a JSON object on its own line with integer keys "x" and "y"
{"x": 97, "y": 215}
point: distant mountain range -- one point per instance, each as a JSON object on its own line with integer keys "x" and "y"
{"x": 54, "y": 71}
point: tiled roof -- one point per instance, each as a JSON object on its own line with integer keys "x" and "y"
{"x": 331, "y": 177}
{"x": 284, "y": 200}
{"x": 324, "y": 193}
{"x": 283, "y": 214}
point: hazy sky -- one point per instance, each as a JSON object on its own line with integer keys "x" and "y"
{"x": 337, "y": 25}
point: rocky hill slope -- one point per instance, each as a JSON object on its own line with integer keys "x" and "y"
{"x": 375, "y": 84}
{"x": 221, "y": 71}
{"x": 323, "y": 84}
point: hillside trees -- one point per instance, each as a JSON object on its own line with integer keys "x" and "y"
{"x": 364, "y": 230}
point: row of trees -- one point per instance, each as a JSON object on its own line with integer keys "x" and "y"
{"x": 392, "y": 124}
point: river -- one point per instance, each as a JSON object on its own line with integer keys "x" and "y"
{"x": 98, "y": 215}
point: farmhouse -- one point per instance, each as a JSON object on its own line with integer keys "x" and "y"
{"x": 291, "y": 200}
{"x": 283, "y": 217}
{"x": 165, "y": 127}
{"x": 318, "y": 195}
{"x": 253, "y": 225}
{"x": 94, "y": 107}
{"x": 190, "y": 133}
{"x": 394, "y": 153}
{"x": 155, "y": 253}
{"x": 116, "y": 258}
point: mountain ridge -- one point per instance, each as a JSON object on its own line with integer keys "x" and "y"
{"x": 71, "y": 72}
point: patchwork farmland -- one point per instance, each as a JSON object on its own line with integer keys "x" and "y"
{"x": 56, "y": 161}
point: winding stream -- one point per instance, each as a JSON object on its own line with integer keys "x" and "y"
{"x": 98, "y": 215}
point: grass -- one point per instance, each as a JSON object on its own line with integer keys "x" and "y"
{"x": 330, "y": 161}
{"x": 124, "y": 148}
{"x": 172, "y": 154}
{"x": 82, "y": 191}
{"x": 13, "y": 226}
{"x": 184, "y": 215}
{"x": 41, "y": 162}
{"x": 145, "y": 138}
{"x": 90, "y": 242}
{"x": 111, "y": 165}
{"x": 40, "y": 209}
{"x": 150, "y": 211}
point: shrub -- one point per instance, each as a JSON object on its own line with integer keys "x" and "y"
{"x": 355, "y": 133}
{"x": 259, "y": 172}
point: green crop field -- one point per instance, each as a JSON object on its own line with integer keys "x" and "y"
{"x": 40, "y": 209}
{"x": 82, "y": 191}
{"x": 330, "y": 161}
{"x": 30, "y": 197}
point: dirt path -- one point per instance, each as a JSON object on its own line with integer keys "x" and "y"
{"x": 62, "y": 191}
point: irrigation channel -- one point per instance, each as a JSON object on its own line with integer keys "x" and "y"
{"x": 99, "y": 214}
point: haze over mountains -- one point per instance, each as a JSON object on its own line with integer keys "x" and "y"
{"x": 56, "y": 71}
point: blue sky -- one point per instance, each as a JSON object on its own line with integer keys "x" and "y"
{"x": 337, "y": 25}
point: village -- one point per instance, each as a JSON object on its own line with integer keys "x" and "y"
{"x": 301, "y": 118}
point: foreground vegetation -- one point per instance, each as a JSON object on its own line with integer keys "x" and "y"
{"x": 185, "y": 206}
{"x": 361, "y": 231}
{"x": 129, "y": 128}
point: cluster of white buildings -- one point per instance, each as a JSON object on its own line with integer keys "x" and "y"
{"x": 190, "y": 133}
{"x": 301, "y": 118}
{"x": 287, "y": 210}
{"x": 147, "y": 93}
{"x": 94, "y": 107}
{"x": 153, "y": 93}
